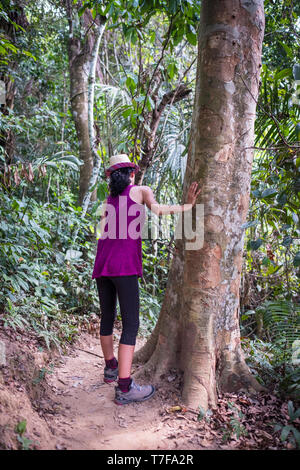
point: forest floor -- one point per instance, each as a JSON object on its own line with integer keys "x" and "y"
{"x": 66, "y": 405}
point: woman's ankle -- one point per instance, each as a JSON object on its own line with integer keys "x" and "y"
{"x": 124, "y": 383}
{"x": 111, "y": 363}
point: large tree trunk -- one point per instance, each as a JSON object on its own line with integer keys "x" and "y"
{"x": 198, "y": 328}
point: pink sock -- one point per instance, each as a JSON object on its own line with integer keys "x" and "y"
{"x": 124, "y": 384}
{"x": 112, "y": 363}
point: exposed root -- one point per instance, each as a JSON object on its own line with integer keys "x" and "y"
{"x": 239, "y": 378}
{"x": 145, "y": 373}
{"x": 158, "y": 365}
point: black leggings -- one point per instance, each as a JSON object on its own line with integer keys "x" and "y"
{"x": 127, "y": 290}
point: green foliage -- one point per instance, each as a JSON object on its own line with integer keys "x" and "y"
{"x": 137, "y": 89}
{"x": 9, "y": 51}
{"x": 20, "y": 429}
{"x": 235, "y": 426}
{"x": 47, "y": 285}
{"x": 150, "y": 308}
{"x": 290, "y": 432}
{"x": 135, "y": 15}
{"x": 281, "y": 320}
{"x": 155, "y": 274}
{"x": 206, "y": 415}
{"x": 273, "y": 222}
{"x": 290, "y": 383}
{"x": 41, "y": 375}
{"x": 149, "y": 49}
{"x": 45, "y": 319}
{"x": 280, "y": 45}
{"x": 272, "y": 365}
{"x": 26, "y": 444}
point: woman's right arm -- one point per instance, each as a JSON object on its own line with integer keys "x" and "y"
{"x": 102, "y": 217}
{"x": 164, "y": 209}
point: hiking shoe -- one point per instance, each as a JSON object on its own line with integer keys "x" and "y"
{"x": 135, "y": 393}
{"x": 110, "y": 375}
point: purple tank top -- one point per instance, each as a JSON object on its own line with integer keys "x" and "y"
{"x": 119, "y": 250}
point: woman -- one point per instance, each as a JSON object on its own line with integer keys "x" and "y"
{"x": 118, "y": 265}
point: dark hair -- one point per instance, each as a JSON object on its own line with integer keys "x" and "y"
{"x": 119, "y": 180}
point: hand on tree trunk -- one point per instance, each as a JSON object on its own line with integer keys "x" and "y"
{"x": 193, "y": 193}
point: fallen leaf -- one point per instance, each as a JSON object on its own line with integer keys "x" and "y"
{"x": 176, "y": 408}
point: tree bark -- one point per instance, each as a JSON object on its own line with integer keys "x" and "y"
{"x": 80, "y": 59}
{"x": 78, "y": 99}
{"x": 91, "y": 89}
{"x": 17, "y": 15}
{"x": 198, "y": 328}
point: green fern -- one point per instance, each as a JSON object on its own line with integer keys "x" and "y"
{"x": 275, "y": 98}
{"x": 281, "y": 319}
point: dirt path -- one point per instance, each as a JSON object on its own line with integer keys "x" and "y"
{"x": 72, "y": 408}
{"x": 86, "y": 418}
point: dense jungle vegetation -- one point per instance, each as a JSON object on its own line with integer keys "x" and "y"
{"x": 47, "y": 235}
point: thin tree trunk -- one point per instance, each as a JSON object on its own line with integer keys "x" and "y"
{"x": 91, "y": 89}
{"x": 199, "y": 322}
{"x": 80, "y": 59}
{"x": 79, "y": 106}
{"x": 64, "y": 119}
{"x": 8, "y": 31}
